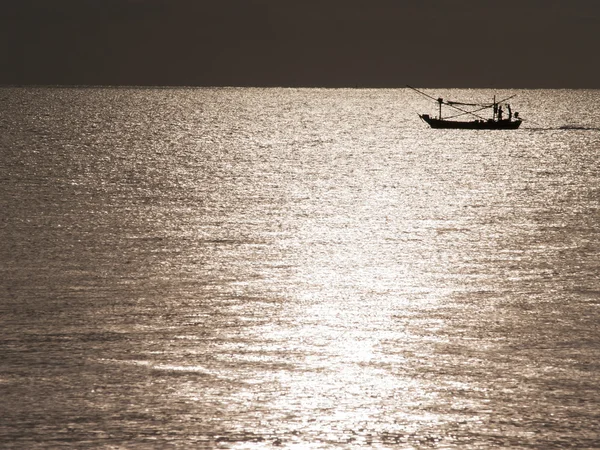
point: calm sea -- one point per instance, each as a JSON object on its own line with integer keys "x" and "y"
{"x": 302, "y": 268}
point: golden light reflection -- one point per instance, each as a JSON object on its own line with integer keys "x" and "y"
{"x": 356, "y": 287}
{"x": 247, "y": 268}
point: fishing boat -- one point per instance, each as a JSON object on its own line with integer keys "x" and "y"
{"x": 498, "y": 121}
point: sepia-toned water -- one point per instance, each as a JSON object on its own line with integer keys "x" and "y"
{"x": 297, "y": 268}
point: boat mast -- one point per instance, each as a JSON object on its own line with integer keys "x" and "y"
{"x": 440, "y": 101}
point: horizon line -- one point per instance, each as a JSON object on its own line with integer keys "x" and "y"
{"x": 224, "y": 86}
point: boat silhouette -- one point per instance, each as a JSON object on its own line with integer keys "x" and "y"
{"x": 497, "y": 122}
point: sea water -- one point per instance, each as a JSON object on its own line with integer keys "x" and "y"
{"x": 302, "y": 268}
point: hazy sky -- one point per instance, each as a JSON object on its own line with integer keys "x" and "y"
{"x": 428, "y": 43}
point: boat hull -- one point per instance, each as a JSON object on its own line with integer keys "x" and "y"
{"x": 471, "y": 125}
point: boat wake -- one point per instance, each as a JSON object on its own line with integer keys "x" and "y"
{"x": 578, "y": 127}
{"x": 565, "y": 128}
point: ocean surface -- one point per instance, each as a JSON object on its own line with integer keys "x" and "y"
{"x": 297, "y": 268}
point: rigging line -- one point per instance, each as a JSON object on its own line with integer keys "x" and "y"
{"x": 422, "y": 93}
{"x": 507, "y": 98}
{"x": 460, "y": 109}
{"x": 451, "y": 106}
{"x": 472, "y": 112}
{"x": 484, "y": 105}
{"x": 457, "y": 115}
{"x": 449, "y": 103}
{"x": 468, "y": 112}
